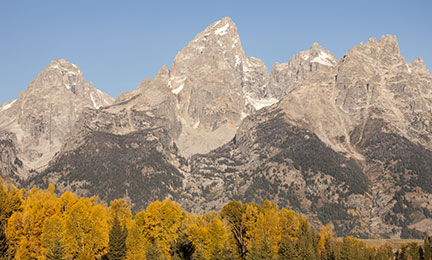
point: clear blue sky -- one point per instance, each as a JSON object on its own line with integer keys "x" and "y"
{"x": 119, "y": 43}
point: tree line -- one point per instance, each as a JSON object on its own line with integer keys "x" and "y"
{"x": 41, "y": 225}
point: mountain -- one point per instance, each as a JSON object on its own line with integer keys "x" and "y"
{"x": 287, "y": 76}
{"x": 348, "y": 145}
{"x": 36, "y": 123}
{"x": 343, "y": 141}
{"x": 216, "y": 85}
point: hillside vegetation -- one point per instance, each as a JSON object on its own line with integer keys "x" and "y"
{"x": 40, "y": 225}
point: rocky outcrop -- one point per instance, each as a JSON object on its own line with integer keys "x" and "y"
{"x": 11, "y": 167}
{"x": 216, "y": 85}
{"x": 47, "y": 110}
{"x": 285, "y": 77}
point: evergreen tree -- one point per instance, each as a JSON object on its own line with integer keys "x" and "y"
{"x": 197, "y": 255}
{"x": 427, "y": 248}
{"x": 261, "y": 251}
{"x": 288, "y": 250}
{"x": 307, "y": 241}
{"x": 154, "y": 252}
{"x": 3, "y": 243}
{"x": 183, "y": 248}
{"x": 384, "y": 252}
{"x": 56, "y": 251}
{"x": 329, "y": 252}
{"x": 117, "y": 241}
{"x": 223, "y": 254}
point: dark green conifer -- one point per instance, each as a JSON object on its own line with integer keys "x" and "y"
{"x": 3, "y": 243}
{"x": 183, "y": 248}
{"x": 117, "y": 242}
{"x": 427, "y": 248}
{"x": 260, "y": 251}
{"x": 307, "y": 244}
{"x": 288, "y": 250}
{"x": 56, "y": 251}
{"x": 154, "y": 253}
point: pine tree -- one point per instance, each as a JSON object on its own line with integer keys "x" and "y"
{"x": 154, "y": 253}
{"x": 427, "y": 248}
{"x": 56, "y": 251}
{"x": 117, "y": 241}
{"x": 288, "y": 250}
{"x": 261, "y": 251}
{"x": 183, "y": 248}
{"x": 223, "y": 254}
{"x": 306, "y": 243}
{"x": 328, "y": 253}
{"x": 3, "y": 243}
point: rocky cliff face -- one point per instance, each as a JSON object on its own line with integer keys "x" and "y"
{"x": 348, "y": 145}
{"x": 45, "y": 112}
{"x": 216, "y": 85}
{"x": 344, "y": 141}
{"x": 285, "y": 77}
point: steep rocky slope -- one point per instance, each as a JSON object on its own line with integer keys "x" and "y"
{"x": 216, "y": 85}
{"x": 286, "y": 76}
{"x": 349, "y": 145}
{"x": 40, "y": 118}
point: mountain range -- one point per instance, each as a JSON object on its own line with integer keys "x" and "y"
{"x": 345, "y": 141}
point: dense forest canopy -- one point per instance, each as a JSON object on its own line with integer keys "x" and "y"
{"x": 40, "y": 225}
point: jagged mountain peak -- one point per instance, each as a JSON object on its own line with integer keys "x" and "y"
{"x": 319, "y": 55}
{"x": 47, "y": 110}
{"x": 62, "y": 64}
{"x": 68, "y": 70}
{"x": 224, "y": 28}
{"x": 59, "y": 76}
{"x": 219, "y": 40}
{"x": 385, "y": 52}
{"x": 316, "y": 47}
{"x": 419, "y": 66}
{"x": 286, "y": 76}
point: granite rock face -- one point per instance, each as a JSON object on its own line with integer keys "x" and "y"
{"x": 349, "y": 144}
{"x": 285, "y": 77}
{"x": 216, "y": 85}
{"x": 42, "y": 115}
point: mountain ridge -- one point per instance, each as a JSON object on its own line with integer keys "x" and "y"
{"x": 345, "y": 141}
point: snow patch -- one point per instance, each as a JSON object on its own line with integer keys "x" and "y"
{"x": 75, "y": 66}
{"x": 305, "y": 57}
{"x": 180, "y": 80}
{"x": 261, "y": 103}
{"x": 177, "y": 90}
{"x": 237, "y": 60}
{"x": 196, "y": 124}
{"x": 243, "y": 115}
{"x": 324, "y": 59}
{"x": 7, "y": 106}
{"x": 67, "y": 86}
{"x": 409, "y": 70}
{"x": 94, "y": 102}
{"x": 223, "y": 30}
{"x": 234, "y": 43}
